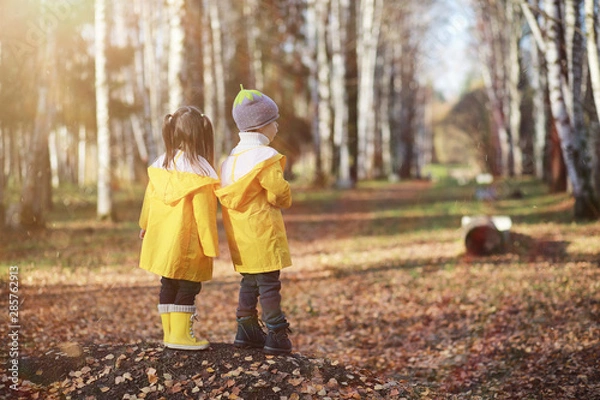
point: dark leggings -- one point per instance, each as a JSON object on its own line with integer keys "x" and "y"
{"x": 178, "y": 291}
{"x": 266, "y": 288}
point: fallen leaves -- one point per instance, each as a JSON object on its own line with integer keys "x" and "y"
{"x": 376, "y": 288}
{"x": 224, "y": 372}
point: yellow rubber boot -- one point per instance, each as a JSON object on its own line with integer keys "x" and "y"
{"x": 181, "y": 335}
{"x": 165, "y": 315}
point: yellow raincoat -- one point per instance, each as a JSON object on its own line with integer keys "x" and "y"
{"x": 180, "y": 218}
{"x": 252, "y": 218}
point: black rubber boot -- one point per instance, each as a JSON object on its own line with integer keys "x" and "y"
{"x": 277, "y": 340}
{"x": 249, "y": 333}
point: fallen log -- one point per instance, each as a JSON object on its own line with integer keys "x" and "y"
{"x": 484, "y": 235}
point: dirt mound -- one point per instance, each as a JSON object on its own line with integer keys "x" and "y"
{"x": 148, "y": 371}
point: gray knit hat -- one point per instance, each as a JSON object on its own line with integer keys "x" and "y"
{"x": 253, "y": 109}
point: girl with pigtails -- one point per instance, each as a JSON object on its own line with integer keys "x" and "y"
{"x": 178, "y": 222}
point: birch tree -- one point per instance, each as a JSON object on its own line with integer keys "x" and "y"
{"x": 324, "y": 92}
{"x": 310, "y": 60}
{"x": 219, "y": 72}
{"x": 492, "y": 53}
{"x": 369, "y": 26}
{"x": 210, "y": 85}
{"x": 104, "y": 204}
{"x": 152, "y": 37}
{"x": 142, "y": 124}
{"x": 594, "y": 68}
{"x": 586, "y": 202}
{"x": 251, "y": 11}
{"x": 176, "y": 48}
{"x": 514, "y": 159}
{"x": 339, "y": 25}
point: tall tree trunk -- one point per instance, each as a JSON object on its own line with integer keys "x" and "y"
{"x": 492, "y": 58}
{"x": 143, "y": 126}
{"x": 586, "y": 203}
{"x": 151, "y": 38}
{"x": 36, "y": 191}
{"x": 81, "y": 155}
{"x": 368, "y": 36}
{"x": 219, "y": 117}
{"x": 352, "y": 87}
{"x": 324, "y": 90}
{"x": 208, "y": 76}
{"x": 594, "y": 67}
{"x": 251, "y": 12}
{"x": 176, "y": 49}
{"x": 385, "y": 115}
{"x": 339, "y": 27}
{"x": 557, "y": 179}
{"x": 538, "y": 84}
{"x": 312, "y": 38}
{"x": 409, "y": 101}
{"x": 104, "y": 206}
{"x": 515, "y": 158}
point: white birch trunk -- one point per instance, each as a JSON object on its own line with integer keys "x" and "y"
{"x": 575, "y": 54}
{"x": 592, "y": 52}
{"x": 558, "y": 104}
{"x": 323, "y": 76}
{"x": 176, "y": 48}
{"x": 53, "y": 150}
{"x": 81, "y": 156}
{"x": 339, "y": 16}
{"x": 369, "y": 25}
{"x": 219, "y": 118}
{"x": 104, "y": 206}
{"x": 208, "y": 76}
{"x": 387, "y": 60}
{"x": 594, "y": 65}
{"x": 538, "y": 84}
{"x": 149, "y": 38}
{"x": 310, "y": 60}
{"x": 142, "y": 124}
{"x": 251, "y": 11}
{"x": 515, "y": 165}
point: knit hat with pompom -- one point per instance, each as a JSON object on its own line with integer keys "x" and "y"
{"x": 253, "y": 109}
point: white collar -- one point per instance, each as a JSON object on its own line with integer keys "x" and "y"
{"x": 251, "y": 139}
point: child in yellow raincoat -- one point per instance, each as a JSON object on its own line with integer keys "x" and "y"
{"x": 179, "y": 222}
{"x": 253, "y": 192}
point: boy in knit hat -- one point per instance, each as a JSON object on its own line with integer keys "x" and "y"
{"x": 252, "y": 194}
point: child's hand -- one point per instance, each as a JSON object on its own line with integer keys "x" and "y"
{"x": 142, "y": 233}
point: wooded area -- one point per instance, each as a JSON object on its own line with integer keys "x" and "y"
{"x": 84, "y": 84}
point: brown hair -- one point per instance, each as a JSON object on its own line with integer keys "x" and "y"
{"x": 191, "y": 131}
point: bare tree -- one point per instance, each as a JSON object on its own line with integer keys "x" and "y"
{"x": 339, "y": 26}
{"x": 493, "y": 53}
{"x": 176, "y": 49}
{"x": 594, "y": 68}
{"x": 36, "y": 189}
{"x": 513, "y": 63}
{"x": 586, "y": 203}
{"x": 104, "y": 206}
{"x": 324, "y": 92}
{"x": 370, "y": 12}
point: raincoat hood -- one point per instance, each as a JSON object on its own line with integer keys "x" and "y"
{"x": 243, "y": 191}
{"x": 172, "y": 186}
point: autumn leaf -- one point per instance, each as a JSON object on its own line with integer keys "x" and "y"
{"x": 152, "y": 378}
